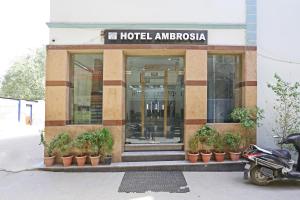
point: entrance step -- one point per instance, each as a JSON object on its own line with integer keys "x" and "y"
{"x": 182, "y": 165}
{"x": 142, "y": 156}
{"x": 154, "y": 147}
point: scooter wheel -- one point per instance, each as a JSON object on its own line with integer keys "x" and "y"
{"x": 257, "y": 177}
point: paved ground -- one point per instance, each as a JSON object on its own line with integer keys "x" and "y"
{"x": 19, "y": 147}
{"x": 19, "y": 150}
{"x": 86, "y": 186}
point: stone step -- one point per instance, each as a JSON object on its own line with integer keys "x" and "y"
{"x": 141, "y": 156}
{"x": 212, "y": 166}
{"x": 153, "y": 147}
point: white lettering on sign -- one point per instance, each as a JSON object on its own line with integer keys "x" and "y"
{"x": 186, "y": 36}
{"x": 143, "y": 36}
{"x": 165, "y": 36}
{"x": 149, "y": 37}
{"x": 172, "y": 36}
{"x": 192, "y": 36}
{"x": 159, "y": 36}
{"x": 202, "y": 37}
{"x": 112, "y": 35}
{"x": 130, "y": 36}
{"x": 179, "y": 36}
{"x": 123, "y": 36}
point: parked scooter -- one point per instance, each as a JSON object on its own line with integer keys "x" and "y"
{"x": 267, "y": 165}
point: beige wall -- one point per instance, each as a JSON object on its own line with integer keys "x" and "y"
{"x": 57, "y": 65}
{"x": 195, "y": 92}
{"x": 57, "y": 103}
{"x": 57, "y": 91}
{"x": 250, "y": 76}
{"x": 114, "y": 98}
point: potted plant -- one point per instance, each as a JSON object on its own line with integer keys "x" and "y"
{"x": 94, "y": 155}
{"x": 83, "y": 143}
{"x": 94, "y": 152}
{"x": 49, "y": 157}
{"x": 205, "y": 135}
{"x": 218, "y": 143}
{"x": 233, "y": 142}
{"x": 63, "y": 144}
{"x": 106, "y": 141}
{"x": 193, "y": 153}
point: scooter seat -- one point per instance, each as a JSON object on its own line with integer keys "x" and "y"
{"x": 282, "y": 153}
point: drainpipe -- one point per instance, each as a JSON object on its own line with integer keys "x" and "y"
{"x": 19, "y": 111}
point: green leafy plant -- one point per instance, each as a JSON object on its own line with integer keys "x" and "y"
{"x": 98, "y": 141}
{"x": 25, "y": 79}
{"x": 287, "y": 107}
{"x": 106, "y": 142}
{"x": 49, "y": 147}
{"x": 83, "y": 142}
{"x": 218, "y": 143}
{"x": 63, "y": 144}
{"x": 94, "y": 150}
{"x": 194, "y": 144}
{"x": 233, "y": 141}
{"x": 205, "y": 136}
{"x": 249, "y": 118}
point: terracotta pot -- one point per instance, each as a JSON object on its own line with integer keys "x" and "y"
{"x": 193, "y": 157}
{"x": 206, "y": 157}
{"x": 49, "y": 161}
{"x": 220, "y": 156}
{"x": 80, "y": 160}
{"x": 234, "y": 156}
{"x": 67, "y": 160}
{"x": 94, "y": 160}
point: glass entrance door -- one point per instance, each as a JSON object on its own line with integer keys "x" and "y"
{"x": 154, "y": 100}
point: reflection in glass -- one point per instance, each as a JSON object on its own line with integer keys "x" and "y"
{"x": 86, "y": 75}
{"x": 154, "y": 99}
{"x": 224, "y": 74}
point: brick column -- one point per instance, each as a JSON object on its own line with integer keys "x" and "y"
{"x": 114, "y": 98}
{"x": 195, "y": 92}
{"x": 57, "y": 89}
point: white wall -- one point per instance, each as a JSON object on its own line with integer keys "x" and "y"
{"x": 9, "y": 111}
{"x": 278, "y": 37}
{"x": 145, "y": 11}
{"x": 66, "y": 36}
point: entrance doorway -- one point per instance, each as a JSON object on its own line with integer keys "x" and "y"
{"x": 154, "y": 100}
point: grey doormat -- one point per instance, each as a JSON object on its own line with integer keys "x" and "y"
{"x": 154, "y": 181}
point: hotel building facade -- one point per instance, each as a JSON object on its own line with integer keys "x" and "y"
{"x": 153, "y": 72}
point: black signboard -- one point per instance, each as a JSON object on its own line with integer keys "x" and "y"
{"x": 197, "y": 37}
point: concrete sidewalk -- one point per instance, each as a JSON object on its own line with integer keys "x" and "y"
{"x": 19, "y": 150}
{"x": 19, "y": 147}
{"x": 89, "y": 186}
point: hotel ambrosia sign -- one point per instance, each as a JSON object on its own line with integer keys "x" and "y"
{"x": 197, "y": 37}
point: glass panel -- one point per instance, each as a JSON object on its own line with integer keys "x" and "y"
{"x": 86, "y": 75}
{"x": 154, "y": 99}
{"x": 223, "y": 95}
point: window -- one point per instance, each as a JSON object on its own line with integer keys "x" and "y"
{"x": 224, "y": 74}
{"x": 86, "y": 77}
